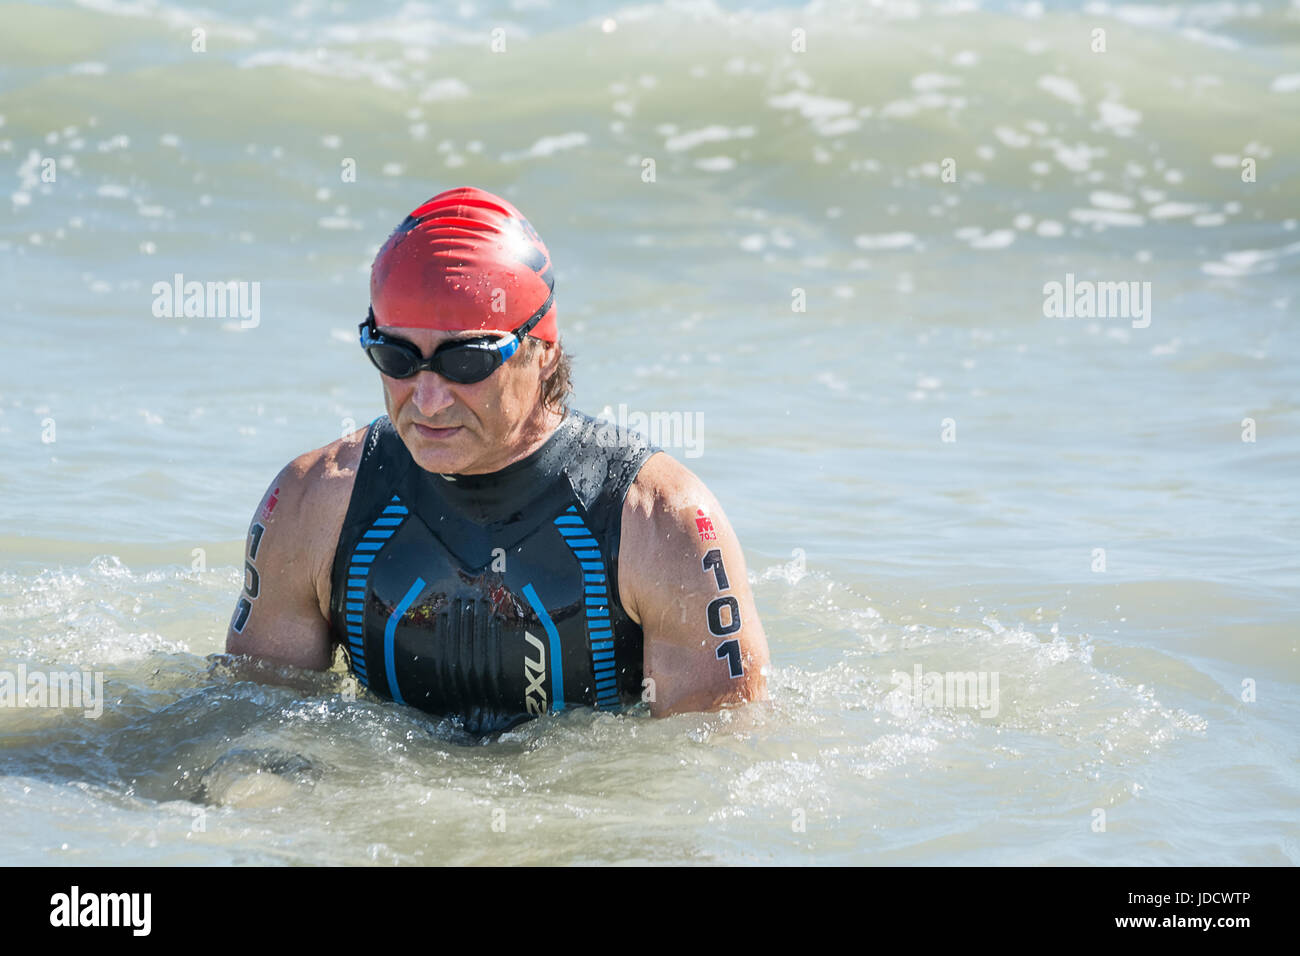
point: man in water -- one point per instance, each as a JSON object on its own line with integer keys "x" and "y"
{"x": 481, "y": 551}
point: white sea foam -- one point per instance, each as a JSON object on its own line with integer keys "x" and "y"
{"x": 888, "y": 240}
{"x": 1062, "y": 88}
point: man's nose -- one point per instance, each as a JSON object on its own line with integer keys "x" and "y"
{"x": 432, "y": 393}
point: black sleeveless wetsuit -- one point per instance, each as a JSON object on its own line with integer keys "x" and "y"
{"x": 493, "y": 598}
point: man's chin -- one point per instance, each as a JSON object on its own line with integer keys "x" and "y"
{"x": 439, "y": 450}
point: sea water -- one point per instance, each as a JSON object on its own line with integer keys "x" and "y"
{"x": 1027, "y": 561}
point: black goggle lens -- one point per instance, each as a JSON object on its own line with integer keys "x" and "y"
{"x": 467, "y": 365}
{"x": 464, "y": 364}
{"x": 392, "y": 360}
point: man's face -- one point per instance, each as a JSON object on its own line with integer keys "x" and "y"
{"x": 451, "y": 428}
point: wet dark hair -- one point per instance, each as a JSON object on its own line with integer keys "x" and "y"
{"x": 556, "y": 389}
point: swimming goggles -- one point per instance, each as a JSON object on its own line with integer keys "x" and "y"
{"x": 464, "y": 361}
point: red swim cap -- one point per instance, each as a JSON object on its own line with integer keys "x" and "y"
{"x": 466, "y": 259}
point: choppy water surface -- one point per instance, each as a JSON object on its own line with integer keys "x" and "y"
{"x": 1098, "y": 537}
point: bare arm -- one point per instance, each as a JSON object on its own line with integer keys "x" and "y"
{"x": 682, "y": 577}
{"x": 282, "y": 613}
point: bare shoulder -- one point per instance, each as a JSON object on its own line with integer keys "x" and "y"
{"x": 683, "y": 579}
{"x": 325, "y": 474}
{"x": 664, "y": 509}
{"x": 663, "y": 487}
{"x": 283, "y": 610}
{"x": 309, "y": 500}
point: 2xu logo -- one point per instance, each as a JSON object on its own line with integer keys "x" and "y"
{"x": 535, "y": 673}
